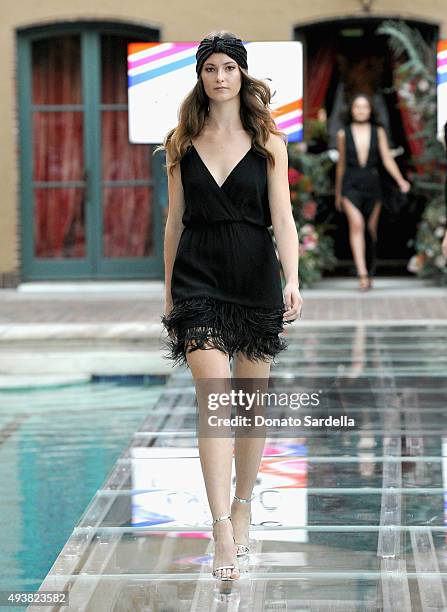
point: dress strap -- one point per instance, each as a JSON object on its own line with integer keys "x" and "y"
{"x": 348, "y": 134}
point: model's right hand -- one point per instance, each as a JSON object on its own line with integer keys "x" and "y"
{"x": 404, "y": 186}
{"x": 168, "y": 306}
{"x": 167, "y": 309}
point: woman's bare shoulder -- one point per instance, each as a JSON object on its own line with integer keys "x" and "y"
{"x": 275, "y": 144}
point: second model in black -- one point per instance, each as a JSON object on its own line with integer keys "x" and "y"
{"x": 361, "y": 185}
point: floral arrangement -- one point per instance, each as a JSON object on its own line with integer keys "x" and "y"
{"x": 308, "y": 180}
{"x": 415, "y": 82}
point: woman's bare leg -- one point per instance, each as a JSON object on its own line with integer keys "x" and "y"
{"x": 216, "y": 454}
{"x": 247, "y": 450}
{"x": 356, "y": 235}
{"x": 373, "y": 220}
{"x": 372, "y": 224}
{"x": 371, "y": 238}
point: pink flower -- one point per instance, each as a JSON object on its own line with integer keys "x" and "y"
{"x": 309, "y": 243}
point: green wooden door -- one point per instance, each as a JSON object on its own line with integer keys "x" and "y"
{"x": 91, "y": 202}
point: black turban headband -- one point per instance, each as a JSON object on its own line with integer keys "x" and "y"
{"x": 231, "y": 46}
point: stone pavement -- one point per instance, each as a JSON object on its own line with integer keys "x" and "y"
{"x": 335, "y": 299}
{"x": 90, "y": 327}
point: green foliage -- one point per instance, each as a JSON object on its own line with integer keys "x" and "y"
{"x": 415, "y": 80}
{"x": 309, "y": 179}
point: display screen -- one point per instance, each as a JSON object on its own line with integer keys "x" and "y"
{"x": 160, "y": 75}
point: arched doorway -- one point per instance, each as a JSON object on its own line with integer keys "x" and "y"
{"x": 343, "y": 56}
{"x": 90, "y": 206}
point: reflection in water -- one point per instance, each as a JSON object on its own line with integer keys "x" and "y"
{"x": 358, "y": 352}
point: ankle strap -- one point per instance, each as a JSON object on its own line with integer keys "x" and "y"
{"x": 221, "y": 518}
{"x": 242, "y": 500}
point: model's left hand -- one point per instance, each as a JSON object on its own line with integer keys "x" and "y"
{"x": 293, "y": 302}
{"x": 404, "y": 186}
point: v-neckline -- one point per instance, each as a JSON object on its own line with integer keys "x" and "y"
{"x": 231, "y": 172}
{"x": 369, "y": 146}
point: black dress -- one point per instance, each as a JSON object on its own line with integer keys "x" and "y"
{"x": 362, "y": 186}
{"x": 226, "y": 279}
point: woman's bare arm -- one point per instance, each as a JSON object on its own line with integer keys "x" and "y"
{"x": 174, "y": 225}
{"x": 388, "y": 160}
{"x": 283, "y": 223}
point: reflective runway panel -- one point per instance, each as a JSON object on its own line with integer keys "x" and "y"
{"x": 344, "y": 518}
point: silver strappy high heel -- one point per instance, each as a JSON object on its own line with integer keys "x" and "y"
{"x": 243, "y": 549}
{"x": 221, "y": 567}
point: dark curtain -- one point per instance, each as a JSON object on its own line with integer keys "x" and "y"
{"x": 59, "y": 220}
{"x": 320, "y": 67}
{"x": 127, "y": 210}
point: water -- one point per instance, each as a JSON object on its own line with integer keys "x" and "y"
{"x": 57, "y": 446}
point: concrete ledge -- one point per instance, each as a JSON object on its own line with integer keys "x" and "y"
{"x": 23, "y": 381}
{"x": 83, "y": 363}
{"x": 156, "y": 287}
{"x": 79, "y": 331}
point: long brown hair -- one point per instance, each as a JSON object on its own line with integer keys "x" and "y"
{"x": 255, "y": 115}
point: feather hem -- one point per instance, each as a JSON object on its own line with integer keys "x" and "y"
{"x": 206, "y": 323}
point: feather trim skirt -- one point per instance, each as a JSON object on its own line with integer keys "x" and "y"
{"x": 206, "y": 323}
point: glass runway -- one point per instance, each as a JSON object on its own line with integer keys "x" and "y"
{"x": 347, "y": 518}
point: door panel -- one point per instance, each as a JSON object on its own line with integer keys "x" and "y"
{"x": 127, "y": 225}
{"x": 59, "y": 223}
{"x": 90, "y": 202}
{"x": 56, "y": 70}
{"x": 127, "y": 192}
{"x": 58, "y": 159}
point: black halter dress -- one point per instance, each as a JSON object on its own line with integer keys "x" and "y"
{"x": 362, "y": 186}
{"x": 226, "y": 280}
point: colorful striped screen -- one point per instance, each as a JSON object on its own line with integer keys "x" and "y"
{"x": 161, "y": 74}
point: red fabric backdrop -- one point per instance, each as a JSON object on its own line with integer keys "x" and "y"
{"x": 58, "y": 155}
{"x": 320, "y": 67}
